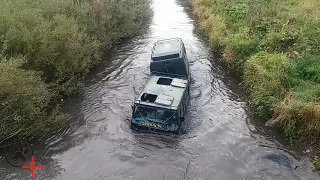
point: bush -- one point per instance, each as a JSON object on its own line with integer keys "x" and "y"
{"x": 64, "y": 39}
{"x": 24, "y": 99}
{"x": 56, "y": 43}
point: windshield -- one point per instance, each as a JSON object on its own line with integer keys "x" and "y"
{"x": 152, "y": 113}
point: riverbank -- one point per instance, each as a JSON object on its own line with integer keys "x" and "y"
{"x": 274, "y": 45}
{"x": 47, "y": 48}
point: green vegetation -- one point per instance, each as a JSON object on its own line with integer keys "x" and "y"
{"x": 46, "y": 49}
{"x": 316, "y": 162}
{"x": 275, "y": 46}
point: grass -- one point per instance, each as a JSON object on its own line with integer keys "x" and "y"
{"x": 316, "y": 162}
{"x": 46, "y": 50}
{"x": 275, "y": 46}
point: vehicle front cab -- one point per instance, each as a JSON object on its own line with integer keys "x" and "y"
{"x": 156, "y": 118}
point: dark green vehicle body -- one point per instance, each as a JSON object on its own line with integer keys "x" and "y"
{"x": 163, "y": 102}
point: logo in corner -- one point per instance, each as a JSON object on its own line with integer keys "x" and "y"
{"x": 18, "y": 154}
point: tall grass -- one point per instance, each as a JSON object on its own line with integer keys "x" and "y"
{"x": 316, "y": 162}
{"x": 46, "y": 49}
{"x": 275, "y": 45}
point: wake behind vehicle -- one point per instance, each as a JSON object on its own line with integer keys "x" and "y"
{"x": 162, "y": 103}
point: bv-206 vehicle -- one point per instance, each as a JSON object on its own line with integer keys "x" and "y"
{"x": 162, "y": 103}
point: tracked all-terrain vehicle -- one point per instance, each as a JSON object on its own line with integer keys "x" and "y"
{"x": 162, "y": 103}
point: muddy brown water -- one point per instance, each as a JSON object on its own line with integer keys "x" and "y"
{"x": 222, "y": 140}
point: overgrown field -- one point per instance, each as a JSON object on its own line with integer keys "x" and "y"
{"x": 46, "y": 49}
{"x": 275, "y": 45}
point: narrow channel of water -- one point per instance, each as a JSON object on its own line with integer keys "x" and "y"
{"x": 222, "y": 141}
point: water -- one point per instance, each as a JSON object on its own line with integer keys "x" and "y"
{"x": 222, "y": 140}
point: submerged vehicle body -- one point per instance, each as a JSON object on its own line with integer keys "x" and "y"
{"x": 162, "y": 103}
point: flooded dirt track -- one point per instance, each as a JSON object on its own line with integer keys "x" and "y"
{"x": 221, "y": 141}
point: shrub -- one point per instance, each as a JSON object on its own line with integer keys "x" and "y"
{"x": 56, "y": 43}
{"x": 64, "y": 39}
{"x": 24, "y": 99}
